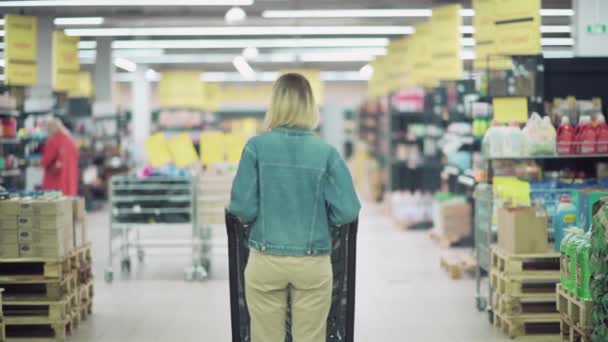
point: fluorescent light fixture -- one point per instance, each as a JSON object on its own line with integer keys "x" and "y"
{"x": 241, "y": 31}
{"x": 2, "y": 63}
{"x": 243, "y": 43}
{"x": 271, "y": 76}
{"x": 2, "y": 33}
{"x": 2, "y": 77}
{"x": 1, "y": 22}
{"x": 544, "y": 41}
{"x": 250, "y": 52}
{"x": 241, "y": 65}
{"x": 366, "y": 71}
{"x": 348, "y": 13}
{"x": 336, "y": 57}
{"x": 235, "y": 15}
{"x": 152, "y": 75}
{"x": 384, "y": 13}
{"x": 122, "y": 3}
{"x": 78, "y": 21}
{"x": 543, "y": 29}
{"x": 125, "y": 64}
{"x": 87, "y": 44}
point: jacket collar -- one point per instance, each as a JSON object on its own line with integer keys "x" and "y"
{"x": 292, "y": 131}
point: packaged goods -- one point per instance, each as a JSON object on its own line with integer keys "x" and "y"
{"x": 571, "y": 250}
{"x": 566, "y": 137}
{"x": 583, "y": 274}
{"x": 584, "y": 200}
{"x": 513, "y": 141}
{"x": 602, "y": 136}
{"x": 522, "y": 230}
{"x": 565, "y": 217}
{"x": 587, "y": 136}
{"x": 539, "y": 136}
{"x": 599, "y": 270}
{"x": 565, "y": 273}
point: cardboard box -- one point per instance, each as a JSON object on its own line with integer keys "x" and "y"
{"x": 584, "y": 201}
{"x": 9, "y": 237}
{"x": 9, "y": 250}
{"x": 45, "y": 237}
{"x": 79, "y": 233}
{"x": 78, "y": 208}
{"x": 452, "y": 219}
{"x": 56, "y": 206}
{"x": 523, "y": 230}
{"x": 44, "y": 222}
{"x": 32, "y": 250}
{"x": 8, "y": 222}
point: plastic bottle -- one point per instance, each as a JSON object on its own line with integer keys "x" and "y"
{"x": 571, "y": 250}
{"x": 565, "y": 217}
{"x": 514, "y": 140}
{"x": 492, "y": 144}
{"x": 602, "y": 135}
{"x": 583, "y": 274}
{"x": 587, "y": 136}
{"x": 565, "y": 260}
{"x": 566, "y": 136}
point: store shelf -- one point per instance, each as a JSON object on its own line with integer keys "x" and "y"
{"x": 574, "y": 156}
{"x": 9, "y": 141}
{"x": 10, "y": 173}
{"x": 38, "y": 112}
{"x": 9, "y": 112}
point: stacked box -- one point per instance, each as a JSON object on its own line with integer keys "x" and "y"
{"x": 599, "y": 270}
{"x": 79, "y": 222}
{"x": 35, "y": 228}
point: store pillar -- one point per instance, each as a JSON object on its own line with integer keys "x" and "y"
{"x": 140, "y": 90}
{"x": 104, "y": 77}
{"x": 590, "y": 28}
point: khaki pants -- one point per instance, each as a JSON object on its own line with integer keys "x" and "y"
{"x": 268, "y": 278}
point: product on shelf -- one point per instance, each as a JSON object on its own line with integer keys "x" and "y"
{"x": 566, "y": 137}
{"x": 513, "y": 141}
{"x": 522, "y": 230}
{"x": 539, "y": 136}
{"x": 566, "y": 276}
{"x": 599, "y": 271}
{"x": 602, "y": 136}
{"x": 565, "y": 217}
{"x": 583, "y": 275}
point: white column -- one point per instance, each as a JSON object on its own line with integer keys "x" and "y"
{"x": 41, "y": 94}
{"x": 104, "y": 77}
{"x": 140, "y": 90}
{"x": 588, "y": 13}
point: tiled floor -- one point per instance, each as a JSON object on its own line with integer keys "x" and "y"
{"x": 402, "y": 294}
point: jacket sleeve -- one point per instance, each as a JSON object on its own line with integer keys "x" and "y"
{"x": 244, "y": 199}
{"x": 340, "y": 195}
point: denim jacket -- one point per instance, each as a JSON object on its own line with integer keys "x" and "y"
{"x": 290, "y": 187}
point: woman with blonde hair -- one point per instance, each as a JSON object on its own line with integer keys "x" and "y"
{"x": 290, "y": 188}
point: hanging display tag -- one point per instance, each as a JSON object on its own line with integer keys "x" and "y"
{"x": 20, "y": 50}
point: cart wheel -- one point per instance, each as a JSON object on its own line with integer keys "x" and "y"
{"x": 491, "y": 316}
{"x": 200, "y": 273}
{"x": 206, "y": 264}
{"x": 141, "y": 255}
{"x": 109, "y": 276}
{"x": 482, "y": 303}
{"x": 125, "y": 265}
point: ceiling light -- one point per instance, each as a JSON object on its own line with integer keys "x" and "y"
{"x": 544, "y": 42}
{"x": 1, "y": 77}
{"x": 1, "y": 22}
{"x": 366, "y": 71}
{"x": 546, "y": 12}
{"x": 2, "y": 63}
{"x": 250, "y": 52}
{"x": 241, "y": 31}
{"x": 348, "y": 13}
{"x": 87, "y": 44}
{"x": 336, "y": 57}
{"x": 243, "y": 43}
{"x": 152, "y": 75}
{"x": 243, "y": 67}
{"x": 125, "y": 64}
{"x": 1, "y": 33}
{"x": 122, "y": 3}
{"x": 235, "y": 15}
{"x": 78, "y": 21}
{"x": 543, "y": 29}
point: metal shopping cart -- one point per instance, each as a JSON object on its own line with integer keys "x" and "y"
{"x": 484, "y": 237}
{"x": 340, "y": 323}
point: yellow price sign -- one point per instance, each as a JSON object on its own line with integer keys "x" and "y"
{"x": 20, "y": 50}
{"x": 509, "y": 109}
{"x": 213, "y": 97}
{"x": 212, "y": 148}
{"x": 157, "y": 151}
{"x": 518, "y": 27}
{"x": 182, "y": 150}
{"x": 84, "y": 86}
{"x": 66, "y": 66}
{"x": 446, "y": 42}
{"x": 235, "y": 142}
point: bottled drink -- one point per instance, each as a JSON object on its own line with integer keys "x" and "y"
{"x": 565, "y": 216}
{"x": 583, "y": 274}
{"x": 573, "y": 260}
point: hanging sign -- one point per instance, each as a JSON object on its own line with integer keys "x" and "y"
{"x": 446, "y": 42}
{"x": 422, "y": 55}
{"x": 213, "y": 96}
{"x": 518, "y": 27}
{"x": 157, "y": 151}
{"x": 20, "y": 50}
{"x": 235, "y": 143}
{"x": 66, "y": 66}
{"x": 398, "y": 75}
{"x": 182, "y": 150}
{"x": 509, "y": 109}
{"x": 486, "y": 56}
{"x": 212, "y": 148}
{"x": 84, "y": 86}
{"x": 181, "y": 89}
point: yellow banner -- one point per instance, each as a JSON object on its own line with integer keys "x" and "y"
{"x": 181, "y": 89}
{"x": 213, "y": 97}
{"x": 398, "y": 75}
{"x": 518, "y": 27}
{"x": 509, "y": 109}
{"x": 84, "y": 86}
{"x": 66, "y": 65}
{"x": 422, "y": 56}
{"x": 235, "y": 142}
{"x": 486, "y": 55}
{"x": 314, "y": 78}
{"x": 379, "y": 85}
{"x": 182, "y": 150}
{"x": 20, "y": 50}
{"x": 446, "y": 42}
{"x": 212, "y": 148}
{"x": 157, "y": 151}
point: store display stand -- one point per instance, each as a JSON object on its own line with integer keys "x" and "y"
{"x": 136, "y": 203}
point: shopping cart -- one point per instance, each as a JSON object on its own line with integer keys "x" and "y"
{"x": 484, "y": 237}
{"x": 341, "y": 319}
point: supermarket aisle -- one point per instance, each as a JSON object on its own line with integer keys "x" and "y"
{"x": 402, "y": 294}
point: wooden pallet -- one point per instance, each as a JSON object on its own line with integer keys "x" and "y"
{"x": 572, "y": 333}
{"x": 577, "y": 310}
{"x": 83, "y": 255}
{"x": 28, "y": 329}
{"x": 38, "y": 307}
{"x": 48, "y": 268}
{"x": 547, "y": 264}
{"x": 457, "y": 263}
{"x": 85, "y": 274}
{"x": 526, "y": 307}
{"x": 85, "y": 311}
{"x": 27, "y": 286}
{"x": 532, "y": 285}
{"x": 441, "y": 240}
{"x": 536, "y": 329}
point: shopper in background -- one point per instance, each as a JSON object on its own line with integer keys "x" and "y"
{"x": 60, "y": 160}
{"x": 290, "y": 187}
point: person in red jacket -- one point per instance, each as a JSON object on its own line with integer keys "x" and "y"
{"x": 60, "y": 160}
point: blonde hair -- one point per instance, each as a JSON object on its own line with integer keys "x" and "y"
{"x": 292, "y": 104}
